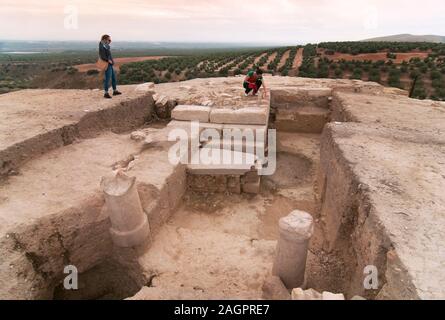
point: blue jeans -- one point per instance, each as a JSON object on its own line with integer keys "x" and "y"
{"x": 110, "y": 75}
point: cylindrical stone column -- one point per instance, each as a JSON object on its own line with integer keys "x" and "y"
{"x": 129, "y": 223}
{"x": 290, "y": 261}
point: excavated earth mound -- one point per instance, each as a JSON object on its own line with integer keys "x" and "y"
{"x": 366, "y": 161}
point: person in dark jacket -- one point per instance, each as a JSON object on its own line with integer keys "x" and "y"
{"x": 110, "y": 75}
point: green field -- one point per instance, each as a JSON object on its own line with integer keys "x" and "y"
{"x": 383, "y": 62}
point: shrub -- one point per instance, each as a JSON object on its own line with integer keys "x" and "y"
{"x": 71, "y": 71}
{"x": 414, "y": 74}
{"x": 374, "y": 77}
{"x": 92, "y": 72}
{"x": 357, "y": 74}
{"x": 435, "y": 75}
{"x": 419, "y": 90}
{"x": 338, "y": 73}
{"x": 394, "y": 78}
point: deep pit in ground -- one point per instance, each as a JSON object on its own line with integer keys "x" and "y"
{"x": 109, "y": 280}
{"x": 220, "y": 246}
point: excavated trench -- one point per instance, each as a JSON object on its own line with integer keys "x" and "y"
{"x": 213, "y": 245}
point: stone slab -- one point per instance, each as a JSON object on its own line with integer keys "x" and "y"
{"x": 191, "y": 113}
{"x": 252, "y": 115}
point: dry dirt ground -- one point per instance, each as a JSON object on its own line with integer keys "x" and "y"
{"x": 373, "y": 181}
{"x": 297, "y": 63}
{"x": 221, "y": 246}
{"x": 401, "y": 56}
{"x": 118, "y": 62}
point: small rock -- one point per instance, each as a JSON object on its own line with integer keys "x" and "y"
{"x": 207, "y": 103}
{"x": 310, "y": 294}
{"x": 332, "y": 296}
{"x": 145, "y": 87}
{"x": 164, "y": 106}
{"x": 148, "y": 140}
{"x": 138, "y": 136}
{"x": 357, "y": 298}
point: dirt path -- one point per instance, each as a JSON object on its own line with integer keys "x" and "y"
{"x": 401, "y": 56}
{"x": 271, "y": 58}
{"x": 297, "y": 62}
{"x": 118, "y": 62}
{"x": 257, "y": 59}
{"x": 283, "y": 59}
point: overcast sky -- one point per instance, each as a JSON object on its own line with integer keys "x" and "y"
{"x": 265, "y": 21}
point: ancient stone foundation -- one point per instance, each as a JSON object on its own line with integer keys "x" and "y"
{"x": 361, "y": 164}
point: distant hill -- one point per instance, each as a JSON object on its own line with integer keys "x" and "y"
{"x": 410, "y": 38}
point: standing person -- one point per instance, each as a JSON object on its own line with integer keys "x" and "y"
{"x": 253, "y": 81}
{"x": 110, "y": 75}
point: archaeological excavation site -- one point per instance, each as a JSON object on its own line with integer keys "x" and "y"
{"x": 340, "y": 194}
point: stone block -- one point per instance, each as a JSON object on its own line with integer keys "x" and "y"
{"x": 332, "y": 296}
{"x": 191, "y": 113}
{"x": 253, "y": 115}
{"x": 252, "y": 187}
{"x": 305, "y": 295}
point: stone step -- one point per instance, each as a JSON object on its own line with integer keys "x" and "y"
{"x": 191, "y": 113}
{"x": 257, "y": 131}
{"x": 237, "y": 145}
{"x": 220, "y": 178}
{"x": 250, "y": 115}
{"x": 302, "y": 119}
{"x": 222, "y": 169}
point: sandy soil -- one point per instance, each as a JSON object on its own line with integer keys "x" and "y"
{"x": 297, "y": 62}
{"x": 26, "y": 131}
{"x": 283, "y": 59}
{"x": 222, "y": 246}
{"x": 257, "y": 59}
{"x": 271, "y": 58}
{"x": 375, "y": 191}
{"x": 118, "y": 62}
{"x": 377, "y": 56}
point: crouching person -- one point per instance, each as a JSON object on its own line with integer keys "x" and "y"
{"x": 253, "y": 82}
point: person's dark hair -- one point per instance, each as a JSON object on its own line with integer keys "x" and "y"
{"x": 105, "y": 37}
{"x": 259, "y": 71}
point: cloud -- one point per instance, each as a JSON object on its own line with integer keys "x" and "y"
{"x": 290, "y": 21}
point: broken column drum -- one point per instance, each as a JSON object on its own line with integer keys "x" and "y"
{"x": 129, "y": 223}
{"x": 290, "y": 261}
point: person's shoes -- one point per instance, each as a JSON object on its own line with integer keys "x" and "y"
{"x": 246, "y": 94}
{"x": 117, "y": 93}
{"x": 107, "y": 96}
